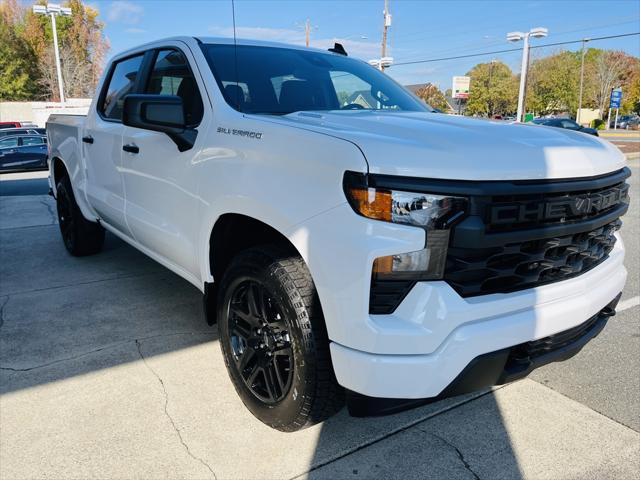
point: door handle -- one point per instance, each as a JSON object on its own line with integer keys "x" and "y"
{"x": 87, "y": 139}
{"x": 131, "y": 148}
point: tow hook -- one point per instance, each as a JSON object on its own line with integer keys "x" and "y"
{"x": 608, "y": 311}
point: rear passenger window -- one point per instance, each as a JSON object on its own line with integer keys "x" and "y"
{"x": 32, "y": 141}
{"x": 121, "y": 83}
{"x": 171, "y": 75}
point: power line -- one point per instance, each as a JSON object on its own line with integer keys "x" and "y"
{"x": 430, "y": 60}
{"x": 495, "y": 42}
{"x": 590, "y": 39}
{"x": 486, "y": 29}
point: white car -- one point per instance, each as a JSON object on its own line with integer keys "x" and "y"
{"x": 348, "y": 242}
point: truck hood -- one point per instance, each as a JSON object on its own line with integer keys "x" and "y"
{"x": 431, "y": 145}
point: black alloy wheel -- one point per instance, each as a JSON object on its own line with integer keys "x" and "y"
{"x": 260, "y": 341}
{"x": 274, "y": 339}
{"x": 66, "y": 221}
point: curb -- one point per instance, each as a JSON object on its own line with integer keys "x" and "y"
{"x": 619, "y": 135}
{"x": 632, "y": 156}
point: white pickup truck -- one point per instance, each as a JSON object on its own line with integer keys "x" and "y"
{"x": 349, "y": 243}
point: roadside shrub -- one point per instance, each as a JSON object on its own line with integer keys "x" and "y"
{"x": 598, "y": 124}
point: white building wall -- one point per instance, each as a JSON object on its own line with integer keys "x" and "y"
{"x": 38, "y": 112}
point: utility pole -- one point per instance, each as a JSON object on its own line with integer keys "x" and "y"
{"x": 307, "y": 32}
{"x": 387, "y": 24}
{"x": 579, "y": 114}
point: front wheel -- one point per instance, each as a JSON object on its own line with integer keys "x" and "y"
{"x": 274, "y": 340}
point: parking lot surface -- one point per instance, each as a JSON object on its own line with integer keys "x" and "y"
{"x": 108, "y": 370}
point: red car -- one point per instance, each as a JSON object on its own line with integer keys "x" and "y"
{"x": 10, "y": 125}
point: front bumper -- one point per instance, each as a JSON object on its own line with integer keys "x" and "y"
{"x": 496, "y": 368}
{"x": 477, "y": 326}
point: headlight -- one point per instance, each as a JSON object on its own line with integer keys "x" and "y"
{"x": 436, "y": 213}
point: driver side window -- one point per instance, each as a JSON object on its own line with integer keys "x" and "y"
{"x": 9, "y": 142}
{"x": 171, "y": 75}
{"x": 570, "y": 125}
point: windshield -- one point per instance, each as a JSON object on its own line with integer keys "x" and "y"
{"x": 278, "y": 81}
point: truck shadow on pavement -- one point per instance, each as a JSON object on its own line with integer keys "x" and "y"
{"x": 82, "y": 330}
{"x": 458, "y": 438}
{"x": 115, "y": 341}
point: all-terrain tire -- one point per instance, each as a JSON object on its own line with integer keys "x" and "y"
{"x": 80, "y": 236}
{"x": 290, "y": 305}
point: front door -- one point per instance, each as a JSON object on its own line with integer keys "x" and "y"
{"x": 160, "y": 181}
{"x": 9, "y": 152}
{"x": 102, "y": 144}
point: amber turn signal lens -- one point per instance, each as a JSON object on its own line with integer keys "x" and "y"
{"x": 383, "y": 266}
{"x": 372, "y": 203}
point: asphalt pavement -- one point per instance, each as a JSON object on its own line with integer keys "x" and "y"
{"x": 108, "y": 370}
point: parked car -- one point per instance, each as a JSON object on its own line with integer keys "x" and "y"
{"x": 23, "y": 152}
{"x": 380, "y": 252}
{"x": 22, "y": 131}
{"x": 565, "y": 123}
{"x": 4, "y": 125}
{"x": 625, "y": 122}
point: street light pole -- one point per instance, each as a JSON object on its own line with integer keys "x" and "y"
{"x": 538, "y": 32}
{"x": 57, "y": 53}
{"x": 53, "y": 10}
{"x": 523, "y": 79}
{"x": 579, "y": 113}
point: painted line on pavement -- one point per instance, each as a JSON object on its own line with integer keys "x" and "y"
{"x": 628, "y": 303}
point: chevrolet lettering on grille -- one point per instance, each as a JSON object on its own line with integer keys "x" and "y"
{"x": 560, "y": 209}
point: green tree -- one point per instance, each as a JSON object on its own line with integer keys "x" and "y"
{"x": 493, "y": 90}
{"x": 631, "y": 98}
{"x": 553, "y": 83}
{"x": 434, "y": 97}
{"x": 26, "y": 51}
{"x": 82, "y": 49}
{"x": 18, "y": 61}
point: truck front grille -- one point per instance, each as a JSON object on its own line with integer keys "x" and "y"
{"x": 515, "y": 266}
{"x": 551, "y": 231}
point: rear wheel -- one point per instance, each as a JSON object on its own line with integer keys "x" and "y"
{"x": 274, "y": 340}
{"x": 80, "y": 236}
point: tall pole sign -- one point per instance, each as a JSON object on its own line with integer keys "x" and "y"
{"x": 460, "y": 90}
{"x": 614, "y": 102}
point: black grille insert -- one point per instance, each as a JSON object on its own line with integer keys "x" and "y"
{"x": 515, "y": 266}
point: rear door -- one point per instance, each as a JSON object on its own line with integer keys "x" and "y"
{"x": 102, "y": 143}
{"x": 160, "y": 181}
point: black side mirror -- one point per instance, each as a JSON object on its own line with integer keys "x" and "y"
{"x": 160, "y": 113}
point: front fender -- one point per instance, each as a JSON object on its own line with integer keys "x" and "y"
{"x": 282, "y": 179}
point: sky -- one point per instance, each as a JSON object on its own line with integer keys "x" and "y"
{"x": 420, "y": 30}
